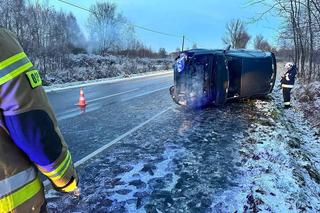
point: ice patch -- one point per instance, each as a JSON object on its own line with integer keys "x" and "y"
{"x": 145, "y": 172}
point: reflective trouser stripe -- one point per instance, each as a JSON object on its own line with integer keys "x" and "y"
{"x": 14, "y": 66}
{"x": 16, "y": 181}
{"x": 287, "y": 86}
{"x": 287, "y": 103}
{"x": 58, "y": 172}
{"x": 15, "y": 199}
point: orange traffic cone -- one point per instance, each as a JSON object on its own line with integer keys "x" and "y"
{"x": 82, "y": 100}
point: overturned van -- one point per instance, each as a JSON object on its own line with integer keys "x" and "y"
{"x": 204, "y": 77}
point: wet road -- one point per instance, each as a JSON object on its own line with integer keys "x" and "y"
{"x": 168, "y": 159}
{"x": 109, "y": 94}
{"x": 113, "y": 109}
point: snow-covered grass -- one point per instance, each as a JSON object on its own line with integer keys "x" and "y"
{"x": 308, "y": 101}
{"x": 86, "y": 67}
{"x": 280, "y": 164}
{"x": 77, "y": 84}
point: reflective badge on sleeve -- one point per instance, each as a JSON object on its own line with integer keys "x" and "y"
{"x": 34, "y": 78}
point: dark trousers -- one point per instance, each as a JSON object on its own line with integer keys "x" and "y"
{"x": 286, "y": 96}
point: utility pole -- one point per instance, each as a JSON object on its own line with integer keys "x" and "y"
{"x": 182, "y": 43}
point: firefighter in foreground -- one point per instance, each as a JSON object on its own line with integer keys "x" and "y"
{"x": 30, "y": 139}
{"x": 287, "y": 82}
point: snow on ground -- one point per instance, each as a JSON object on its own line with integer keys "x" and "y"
{"x": 278, "y": 165}
{"x": 308, "y": 101}
{"x": 77, "y": 84}
{"x": 86, "y": 67}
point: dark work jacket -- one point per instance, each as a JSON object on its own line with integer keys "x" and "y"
{"x": 288, "y": 78}
{"x": 29, "y": 134}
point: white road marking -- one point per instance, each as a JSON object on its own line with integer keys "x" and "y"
{"x": 101, "y": 149}
{"x": 109, "y": 96}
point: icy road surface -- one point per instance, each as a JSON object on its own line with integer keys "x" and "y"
{"x": 249, "y": 156}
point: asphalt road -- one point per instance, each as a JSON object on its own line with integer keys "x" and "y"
{"x": 201, "y": 143}
{"x": 124, "y": 104}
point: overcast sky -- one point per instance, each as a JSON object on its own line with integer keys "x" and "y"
{"x": 202, "y": 21}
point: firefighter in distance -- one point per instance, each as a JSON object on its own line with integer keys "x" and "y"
{"x": 287, "y": 83}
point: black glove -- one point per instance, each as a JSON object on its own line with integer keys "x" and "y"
{"x": 281, "y": 80}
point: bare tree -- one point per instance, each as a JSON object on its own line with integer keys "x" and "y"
{"x": 311, "y": 38}
{"x": 302, "y": 29}
{"x": 236, "y": 34}
{"x": 162, "y": 53}
{"x": 77, "y": 42}
{"x": 49, "y": 37}
{"x": 261, "y": 44}
{"x": 45, "y": 34}
{"x": 105, "y": 26}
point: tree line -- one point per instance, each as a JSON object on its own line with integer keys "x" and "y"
{"x": 299, "y": 36}
{"x": 50, "y": 36}
{"x": 238, "y": 37}
{"x": 46, "y": 35}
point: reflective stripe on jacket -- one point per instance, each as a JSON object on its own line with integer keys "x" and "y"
{"x": 14, "y": 66}
{"x": 32, "y": 130}
{"x": 18, "y": 189}
{"x": 20, "y": 186}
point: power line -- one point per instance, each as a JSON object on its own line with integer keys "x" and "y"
{"x": 183, "y": 37}
{"x": 155, "y": 31}
{"x": 77, "y": 6}
{"x": 137, "y": 26}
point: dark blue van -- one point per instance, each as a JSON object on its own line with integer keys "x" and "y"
{"x": 204, "y": 77}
